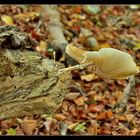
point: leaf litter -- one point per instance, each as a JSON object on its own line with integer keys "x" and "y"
{"x": 90, "y": 113}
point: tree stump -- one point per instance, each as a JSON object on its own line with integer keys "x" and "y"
{"x": 29, "y": 83}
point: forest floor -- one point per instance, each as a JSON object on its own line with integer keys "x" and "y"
{"x": 88, "y": 107}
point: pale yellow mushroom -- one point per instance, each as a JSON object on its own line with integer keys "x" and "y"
{"x": 108, "y": 62}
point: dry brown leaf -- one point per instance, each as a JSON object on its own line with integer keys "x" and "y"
{"x": 7, "y": 123}
{"x": 97, "y": 97}
{"x": 95, "y": 108}
{"x": 28, "y": 126}
{"x": 122, "y": 82}
{"x": 134, "y": 131}
{"x": 65, "y": 106}
{"x": 105, "y": 132}
{"x": 105, "y": 115}
{"x": 59, "y": 117}
{"x": 119, "y": 96}
{"x": 92, "y": 115}
{"x": 112, "y": 101}
{"x": 122, "y": 117}
{"x": 72, "y": 95}
{"x": 109, "y": 114}
{"x": 72, "y": 126}
{"x": 97, "y": 85}
{"x": 92, "y": 130}
{"x": 47, "y": 124}
{"x": 19, "y": 131}
{"x": 89, "y": 77}
{"x": 129, "y": 117}
{"x": 80, "y": 101}
{"x": 79, "y": 114}
{"x": 102, "y": 116}
{"x": 35, "y": 35}
{"x": 27, "y": 15}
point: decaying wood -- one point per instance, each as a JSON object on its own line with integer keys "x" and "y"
{"x": 56, "y": 30}
{"x": 126, "y": 93}
{"x": 29, "y": 83}
{"x": 55, "y": 27}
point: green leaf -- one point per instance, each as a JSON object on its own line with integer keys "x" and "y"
{"x": 47, "y": 117}
{"x": 11, "y": 131}
{"x": 50, "y": 49}
{"x": 92, "y": 9}
{"x": 80, "y": 127}
{"x": 137, "y": 46}
{"x": 134, "y": 6}
{"x": 7, "y": 19}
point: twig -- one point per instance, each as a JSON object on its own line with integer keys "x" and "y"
{"x": 123, "y": 103}
{"x": 79, "y": 66}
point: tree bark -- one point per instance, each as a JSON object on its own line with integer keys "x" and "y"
{"x": 29, "y": 83}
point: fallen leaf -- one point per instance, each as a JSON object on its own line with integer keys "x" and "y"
{"x": 118, "y": 95}
{"x": 47, "y": 117}
{"x": 47, "y": 124}
{"x": 92, "y": 115}
{"x": 122, "y": 82}
{"x": 134, "y": 131}
{"x": 59, "y": 117}
{"x": 31, "y": 15}
{"x": 11, "y": 131}
{"x": 92, "y": 129}
{"x": 28, "y": 126}
{"x": 95, "y": 108}
{"x": 75, "y": 28}
{"x": 122, "y": 118}
{"x": 6, "y": 124}
{"x": 97, "y": 97}
{"x": 80, "y": 127}
{"x": 134, "y": 7}
{"x": 105, "y": 132}
{"x": 35, "y": 35}
{"x": 72, "y": 95}
{"x": 92, "y": 9}
{"x": 71, "y": 126}
{"x": 65, "y": 106}
{"x": 105, "y": 45}
{"x": 89, "y": 77}
{"x": 79, "y": 114}
{"x": 105, "y": 115}
{"x": 19, "y": 131}
{"x": 79, "y": 101}
{"x": 129, "y": 117}
{"x": 109, "y": 114}
{"x": 77, "y": 9}
{"x": 102, "y": 116}
{"x": 7, "y": 20}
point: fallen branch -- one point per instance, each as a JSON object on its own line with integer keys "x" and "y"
{"x": 55, "y": 27}
{"x": 124, "y": 101}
